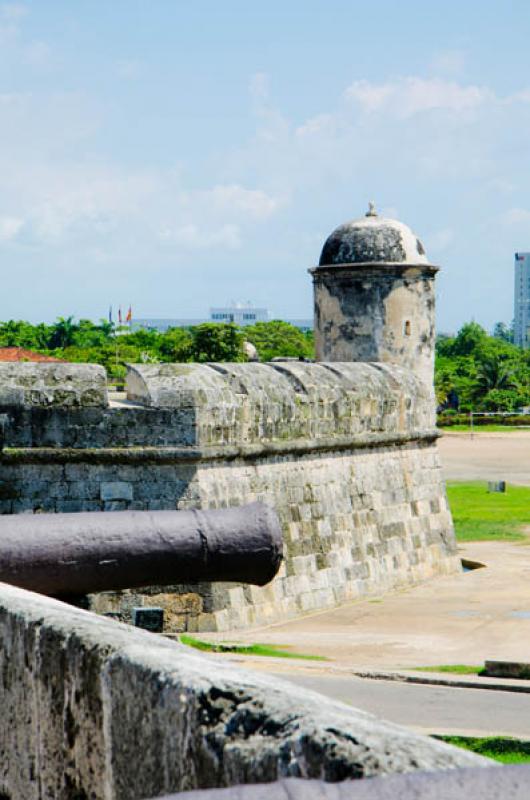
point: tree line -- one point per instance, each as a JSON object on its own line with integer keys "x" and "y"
{"x": 474, "y": 371}
{"x": 478, "y": 372}
{"x": 114, "y": 346}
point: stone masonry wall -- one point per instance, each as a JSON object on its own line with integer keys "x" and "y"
{"x": 345, "y": 453}
{"x": 94, "y": 709}
{"x": 374, "y": 312}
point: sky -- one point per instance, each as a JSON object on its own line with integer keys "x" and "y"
{"x": 178, "y": 154}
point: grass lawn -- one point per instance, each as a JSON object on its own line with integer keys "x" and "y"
{"x": 485, "y": 428}
{"x": 457, "y": 669}
{"x": 274, "y": 650}
{"x": 503, "y": 749}
{"x": 479, "y": 515}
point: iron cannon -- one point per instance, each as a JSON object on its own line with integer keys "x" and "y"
{"x": 74, "y": 554}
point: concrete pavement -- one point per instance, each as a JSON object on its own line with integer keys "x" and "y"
{"x": 463, "y": 619}
{"x": 427, "y": 709}
{"x": 459, "y": 619}
{"x": 486, "y": 456}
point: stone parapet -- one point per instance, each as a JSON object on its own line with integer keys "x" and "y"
{"x": 249, "y": 403}
{"x": 36, "y": 385}
{"x": 93, "y": 708}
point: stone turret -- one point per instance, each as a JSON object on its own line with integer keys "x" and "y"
{"x": 374, "y": 296}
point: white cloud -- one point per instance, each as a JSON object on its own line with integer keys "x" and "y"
{"x": 522, "y": 96}
{"x": 64, "y": 205}
{"x": 9, "y": 228}
{"x": 235, "y": 198}
{"x": 411, "y": 126}
{"x": 13, "y": 11}
{"x": 193, "y": 237}
{"x": 259, "y": 87}
{"x": 274, "y": 196}
{"x": 38, "y": 54}
{"x": 448, "y": 62}
{"x": 501, "y": 185}
{"x": 516, "y": 216}
{"x": 321, "y": 124}
{"x": 128, "y": 68}
{"x": 11, "y": 15}
{"x": 406, "y": 97}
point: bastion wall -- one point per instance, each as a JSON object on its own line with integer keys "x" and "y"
{"x": 345, "y": 453}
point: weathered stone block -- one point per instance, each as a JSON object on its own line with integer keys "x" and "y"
{"x": 116, "y": 490}
{"x": 45, "y": 385}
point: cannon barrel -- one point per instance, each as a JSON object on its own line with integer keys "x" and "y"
{"x": 75, "y": 554}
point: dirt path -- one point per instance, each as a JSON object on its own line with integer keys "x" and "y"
{"x": 487, "y": 456}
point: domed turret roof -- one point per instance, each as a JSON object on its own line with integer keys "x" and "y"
{"x": 372, "y": 239}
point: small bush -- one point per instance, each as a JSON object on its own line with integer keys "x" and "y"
{"x": 447, "y": 420}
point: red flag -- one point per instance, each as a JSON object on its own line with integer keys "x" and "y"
{"x": 128, "y": 318}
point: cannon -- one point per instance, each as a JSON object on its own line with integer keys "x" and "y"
{"x": 64, "y": 555}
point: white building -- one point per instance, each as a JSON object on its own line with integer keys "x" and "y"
{"x": 239, "y": 314}
{"x": 522, "y": 300}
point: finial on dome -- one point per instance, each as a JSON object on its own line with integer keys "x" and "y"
{"x": 371, "y": 210}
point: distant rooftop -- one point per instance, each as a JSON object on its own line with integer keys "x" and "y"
{"x": 163, "y": 324}
{"x": 14, "y": 354}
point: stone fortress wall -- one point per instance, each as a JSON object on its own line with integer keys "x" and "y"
{"x": 345, "y": 452}
{"x": 95, "y": 709}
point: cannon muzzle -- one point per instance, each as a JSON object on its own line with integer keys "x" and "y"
{"x": 75, "y": 554}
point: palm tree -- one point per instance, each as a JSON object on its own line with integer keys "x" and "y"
{"x": 63, "y": 332}
{"x": 494, "y": 373}
{"x": 106, "y": 328}
{"x": 10, "y": 333}
{"x": 444, "y": 383}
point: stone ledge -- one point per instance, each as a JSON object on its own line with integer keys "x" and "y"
{"x": 31, "y": 455}
{"x": 109, "y": 710}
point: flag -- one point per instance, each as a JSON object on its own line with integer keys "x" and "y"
{"x": 110, "y": 315}
{"x": 128, "y": 318}
{"x": 519, "y": 257}
{"x": 119, "y": 316}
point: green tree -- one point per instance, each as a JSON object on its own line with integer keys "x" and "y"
{"x": 469, "y": 339}
{"x": 278, "y": 338}
{"x": 86, "y": 334}
{"x": 503, "y": 332}
{"x": 494, "y": 373}
{"x": 175, "y": 345}
{"x": 63, "y": 332}
{"x": 444, "y": 383}
{"x": 213, "y": 341}
{"x": 487, "y": 373}
{"x": 500, "y": 400}
{"x": 19, "y": 333}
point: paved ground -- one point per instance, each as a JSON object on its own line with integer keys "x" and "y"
{"x": 487, "y": 456}
{"x": 430, "y": 709}
{"x": 461, "y": 619}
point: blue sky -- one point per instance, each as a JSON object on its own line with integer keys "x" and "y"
{"x": 176, "y": 155}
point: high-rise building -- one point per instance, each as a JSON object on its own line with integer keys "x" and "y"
{"x": 521, "y": 302}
